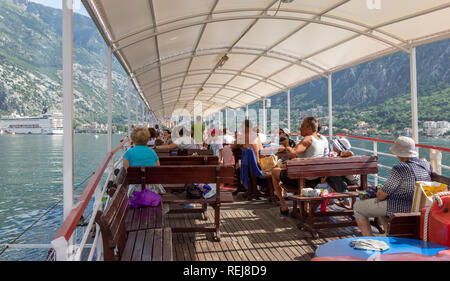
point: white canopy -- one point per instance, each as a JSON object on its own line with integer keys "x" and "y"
{"x": 229, "y": 53}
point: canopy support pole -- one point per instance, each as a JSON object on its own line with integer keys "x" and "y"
{"x": 129, "y": 110}
{"x": 137, "y": 109}
{"x": 109, "y": 99}
{"x": 414, "y": 110}
{"x": 289, "y": 109}
{"x": 226, "y": 118}
{"x": 67, "y": 53}
{"x": 330, "y": 106}
{"x": 264, "y": 123}
{"x": 143, "y": 114}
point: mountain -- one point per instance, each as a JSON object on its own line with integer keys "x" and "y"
{"x": 380, "y": 89}
{"x": 31, "y": 65}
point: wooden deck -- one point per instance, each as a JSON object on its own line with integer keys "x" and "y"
{"x": 250, "y": 231}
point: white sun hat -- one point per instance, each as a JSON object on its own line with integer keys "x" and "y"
{"x": 404, "y": 147}
{"x": 342, "y": 144}
{"x": 286, "y": 131}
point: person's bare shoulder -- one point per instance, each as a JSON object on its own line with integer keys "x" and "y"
{"x": 306, "y": 141}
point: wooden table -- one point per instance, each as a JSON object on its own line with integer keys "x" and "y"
{"x": 323, "y": 167}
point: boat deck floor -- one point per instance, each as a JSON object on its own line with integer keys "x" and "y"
{"x": 250, "y": 231}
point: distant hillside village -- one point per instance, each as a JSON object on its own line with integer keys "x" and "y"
{"x": 430, "y": 128}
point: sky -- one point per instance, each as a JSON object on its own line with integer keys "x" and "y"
{"x": 77, "y": 6}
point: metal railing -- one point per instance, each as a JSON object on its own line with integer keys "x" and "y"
{"x": 435, "y": 156}
{"x": 63, "y": 243}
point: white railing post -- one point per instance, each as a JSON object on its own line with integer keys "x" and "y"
{"x": 61, "y": 249}
{"x": 375, "y": 152}
{"x": 436, "y": 161}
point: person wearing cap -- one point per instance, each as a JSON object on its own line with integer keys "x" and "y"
{"x": 341, "y": 147}
{"x": 397, "y": 193}
{"x": 285, "y": 140}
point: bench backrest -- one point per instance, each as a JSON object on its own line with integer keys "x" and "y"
{"x": 180, "y": 174}
{"x": 112, "y": 223}
{"x": 164, "y": 151}
{"x": 332, "y": 166}
{"x": 198, "y": 151}
{"x": 188, "y": 160}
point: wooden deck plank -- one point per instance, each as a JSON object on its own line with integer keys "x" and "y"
{"x": 250, "y": 231}
{"x": 280, "y": 245}
{"x": 258, "y": 254}
{"x": 238, "y": 248}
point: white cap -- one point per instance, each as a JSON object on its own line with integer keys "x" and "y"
{"x": 286, "y": 131}
{"x": 341, "y": 144}
{"x": 404, "y": 147}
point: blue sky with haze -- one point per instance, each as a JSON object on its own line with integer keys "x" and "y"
{"x": 77, "y": 6}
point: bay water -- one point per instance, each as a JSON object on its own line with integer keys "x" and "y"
{"x": 31, "y": 184}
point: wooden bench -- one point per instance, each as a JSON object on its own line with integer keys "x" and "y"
{"x": 165, "y": 151}
{"x": 151, "y": 217}
{"x": 407, "y": 225}
{"x": 145, "y": 244}
{"x": 186, "y": 161}
{"x": 189, "y": 160}
{"x": 323, "y": 167}
{"x": 197, "y": 151}
{"x": 169, "y": 175}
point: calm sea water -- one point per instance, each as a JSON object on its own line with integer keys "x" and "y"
{"x": 31, "y": 183}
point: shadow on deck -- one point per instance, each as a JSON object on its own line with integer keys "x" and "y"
{"x": 250, "y": 231}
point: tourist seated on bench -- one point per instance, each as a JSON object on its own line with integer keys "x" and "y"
{"x": 167, "y": 137}
{"x": 341, "y": 148}
{"x": 397, "y": 193}
{"x": 249, "y": 139}
{"x": 310, "y": 146}
{"x": 215, "y": 143}
{"x": 183, "y": 141}
{"x": 140, "y": 154}
{"x": 153, "y": 136}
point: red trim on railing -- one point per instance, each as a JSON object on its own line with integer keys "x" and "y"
{"x": 391, "y": 142}
{"x": 70, "y": 223}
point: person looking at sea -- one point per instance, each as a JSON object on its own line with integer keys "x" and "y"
{"x": 397, "y": 193}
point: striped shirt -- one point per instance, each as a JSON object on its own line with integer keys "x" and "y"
{"x": 400, "y": 185}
